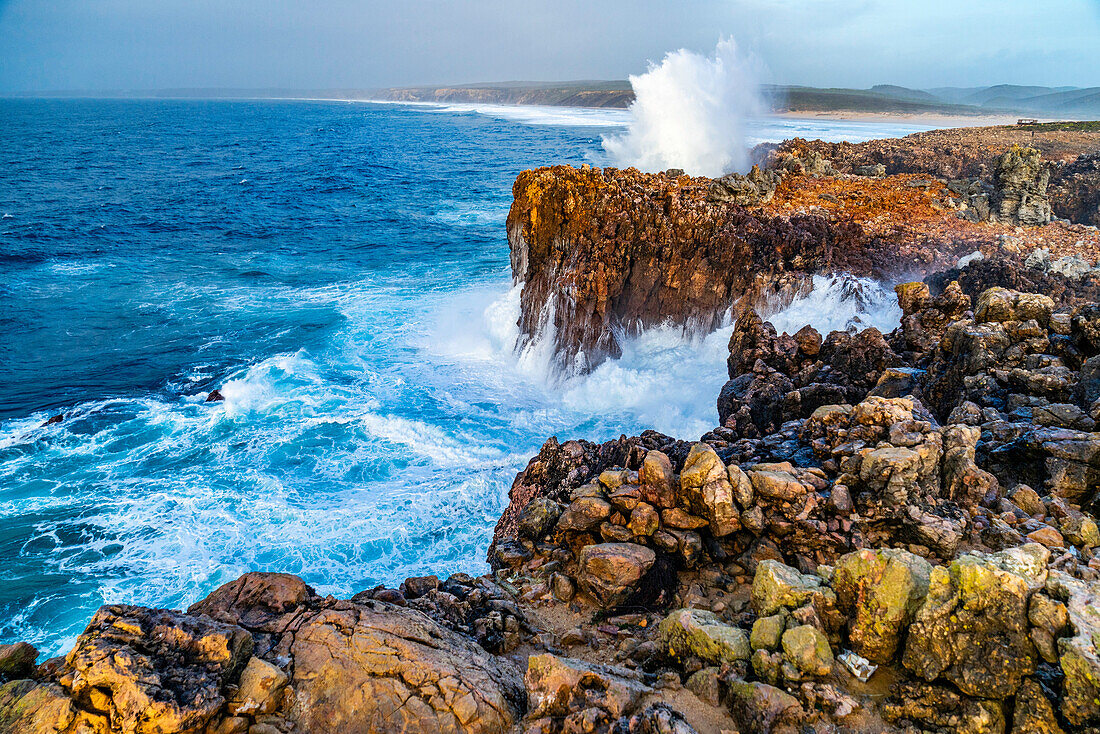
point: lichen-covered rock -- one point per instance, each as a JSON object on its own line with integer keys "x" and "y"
{"x": 611, "y": 571}
{"x": 777, "y": 586}
{"x": 941, "y": 708}
{"x": 761, "y": 708}
{"x": 699, "y": 633}
{"x": 808, "y": 649}
{"x": 1032, "y": 713}
{"x": 973, "y": 628}
{"x": 880, "y": 590}
{"x": 767, "y": 632}
{"x": 27, "y": 707}
{"x": 1080, "y": 659}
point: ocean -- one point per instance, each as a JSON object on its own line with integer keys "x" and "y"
{"x": 339, "y": 271}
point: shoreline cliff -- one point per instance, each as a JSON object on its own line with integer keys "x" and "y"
{"x": 883, "y": 532}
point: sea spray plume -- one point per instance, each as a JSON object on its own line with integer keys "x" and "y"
{"x": 689, "y": 112}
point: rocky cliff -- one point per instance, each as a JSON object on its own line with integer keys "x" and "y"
{"x": 605, "y": 253}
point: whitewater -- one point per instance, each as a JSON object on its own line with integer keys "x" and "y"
{"x": 340, "y": 273}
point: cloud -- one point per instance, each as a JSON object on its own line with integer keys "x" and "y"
{"x": 137, "y": 44}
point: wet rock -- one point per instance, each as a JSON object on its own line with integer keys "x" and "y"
{"x": 695, "y": 632}
{"x": 880, "y": 591}
{"x": 611, "y": 571}
{"x": 214, "y": 396}
{"x": 972, "y": 628}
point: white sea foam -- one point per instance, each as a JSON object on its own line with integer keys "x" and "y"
{"x": 690, "y": 112}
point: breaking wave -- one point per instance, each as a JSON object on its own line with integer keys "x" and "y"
{"x": 691, "y": 112}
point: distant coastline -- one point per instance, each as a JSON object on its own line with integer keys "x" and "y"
{"x": 989, "y": 105}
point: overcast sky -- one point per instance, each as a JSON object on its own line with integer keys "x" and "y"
{"x": 317, "y": 44}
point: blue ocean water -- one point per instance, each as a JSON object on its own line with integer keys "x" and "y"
{"x": 340, "y": 272}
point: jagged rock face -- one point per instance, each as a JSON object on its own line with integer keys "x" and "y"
{"x": 1010, "y": 272}
{"x": 1020, "y": 180}
{"x": 606, "y": 253}
{"x": 971, "y": 154}
{"x": 1075, "y": 190}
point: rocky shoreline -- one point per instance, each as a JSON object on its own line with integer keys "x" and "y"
{"x": 884, "y": 533}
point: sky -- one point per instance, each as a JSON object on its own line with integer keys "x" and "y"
{"x": 360, "y": 44}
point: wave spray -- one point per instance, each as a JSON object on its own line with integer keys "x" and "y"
{"x": 689, "y": 112}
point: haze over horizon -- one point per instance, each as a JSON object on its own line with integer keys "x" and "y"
{"x": 249, "y": 44}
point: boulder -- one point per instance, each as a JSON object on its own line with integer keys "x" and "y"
{"x": 761, "y": 708}
{"x": 17, "y": 661}
{"x": 972, "y": 628}
{"x": 807, "y": 648}
{"x": 695, "y": 632}
{"x": 880, "y": 591}
{"x": 705, "y": 485}
{"x": 563, "y": 687}
{"x": 777, "y": 586}
{"x": 611, "y": 571}
{"x": 537, "y": 518}
{"x": 388, "y": 669}
{"x": 154, "y": 669}
{"x": 657, "y": 480}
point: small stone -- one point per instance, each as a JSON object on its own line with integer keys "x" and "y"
{"x": 1047, "y": 536}
{"x": 680, "y": 520}
{"x": 563, "y": 587}
{"x": 1028, "y": 500}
